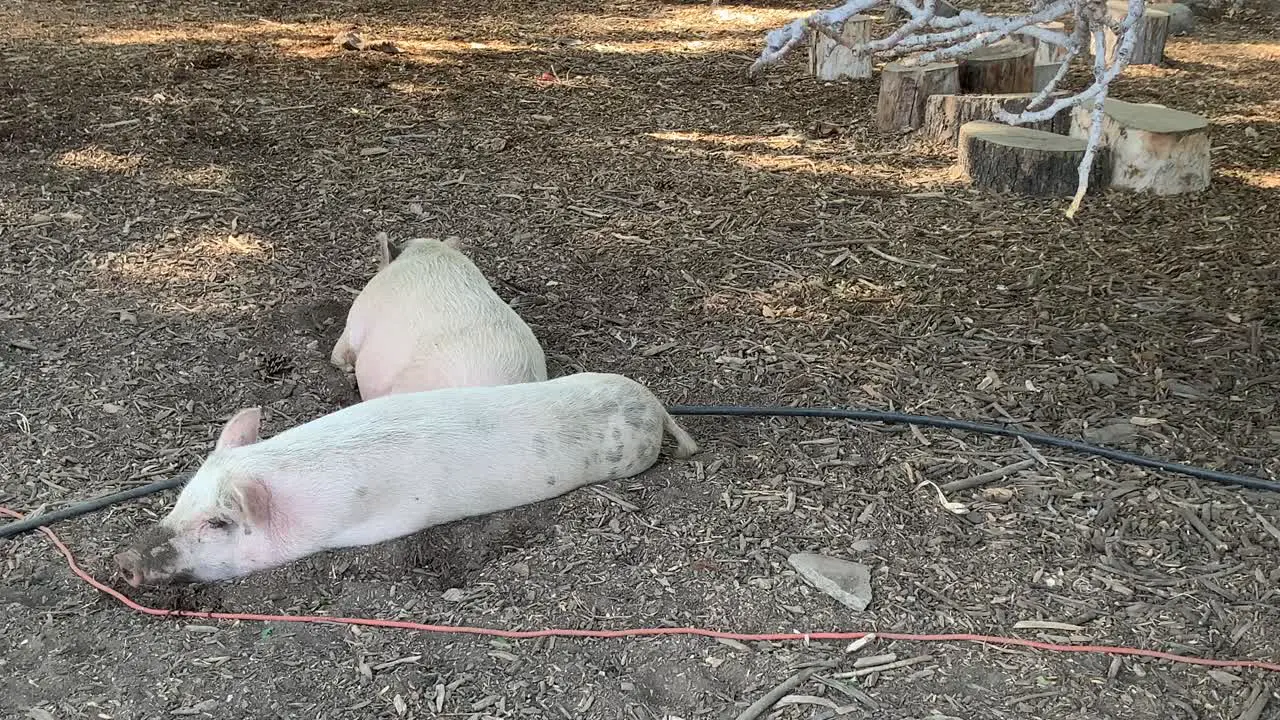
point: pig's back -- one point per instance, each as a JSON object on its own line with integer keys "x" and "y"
{"x": 445, "y": 454}
{"x": 433, "y": 321}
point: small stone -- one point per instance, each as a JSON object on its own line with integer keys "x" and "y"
{"x": 350, "y": 40}
{"x": 1113, "y": 434}
{"x": 997, "y": 494}
{"x": 849, "y": 583}
{"x": 454, "y": 595}
{"x": 385, "y": 46}
{"x": 1105, "y": 379}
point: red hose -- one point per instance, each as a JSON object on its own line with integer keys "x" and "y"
{"x": 637, "y": 632}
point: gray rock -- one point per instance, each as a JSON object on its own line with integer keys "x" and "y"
{"x": 1181, "y": 19}
{"x": 1103, "y": 379}
{"x": 849, "y": 583}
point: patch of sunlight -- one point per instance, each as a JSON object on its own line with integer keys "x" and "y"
{"x": 676, "y": 46}
{"x": 226, "y": 246}
{"x": 295, "y": 34}
{"x": 417, "y": 89}
{"x": 1262, "y": 179}
{"x": 694, "y": 19}
{"x": 1268, "y": 52}
{"x": 910, "y": 177}
{"x": 730, "y": 141}
{"x": 98, "y": 160}
{"x": 170, "y": 261}
{"x": 811, "y": 300}
{"x": 209, "y": 177}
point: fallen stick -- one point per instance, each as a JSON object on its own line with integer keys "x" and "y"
{"x": 986, "y": 477}
{"x": 772, "y": 697}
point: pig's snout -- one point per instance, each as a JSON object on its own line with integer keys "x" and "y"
{"x": 152, "y": 560}
{"x": 130, "y": 564}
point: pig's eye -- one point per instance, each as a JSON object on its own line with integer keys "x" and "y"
{"x": 218, "y": 523}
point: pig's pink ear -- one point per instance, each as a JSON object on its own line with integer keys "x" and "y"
{"x": 252, "y": 500}
{"x": 242, "y": 429}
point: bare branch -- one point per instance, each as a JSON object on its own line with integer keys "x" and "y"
{"x": 930, "y": 39}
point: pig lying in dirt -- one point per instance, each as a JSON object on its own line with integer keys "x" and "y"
{"x": 428, "y": 320}
{"x": 392, "y": 466}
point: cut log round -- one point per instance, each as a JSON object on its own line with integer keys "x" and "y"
{"x": 1046, "y": 52}
{"x": 945, "y": 114}
{"x": 904, "y": 89}
{"x": 1152, "y": 30}
{"x": 1181, "y": 19}
{"x": 1153, "y": 148}
{"x": 1007, "y": 66}
{"x": 829, "y": 60}
{"x": 1004, "y": 158}
{"x": 1044, "y": 74}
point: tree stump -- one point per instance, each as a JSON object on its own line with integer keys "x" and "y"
{"x": 1181, "y": 19}
{"x": 1153, "y": 148}
{"x": 1003, "y": 158}
{"x": 1043, "y": 74}
{"x": 904, "y": 89}
{"x": 1007, "y": 66}
{"x": 942, "y": 9}
{"x": 829, "y": 60}
{"x": 945, "y": 114}
{"x": 1046, "y": 52}
{"x": 1152, "y": 29}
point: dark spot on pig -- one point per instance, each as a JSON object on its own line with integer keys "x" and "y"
{"x": 484, "y": 425}
{"x": 362, "y": 491}
{"x": 614, "y": 456}
{"x": 248, "y": 530}
{"x": 551, "y": 480}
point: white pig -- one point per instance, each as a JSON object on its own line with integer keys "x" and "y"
{"x": 392, "y": 466}
{"x": 428, "y": 320}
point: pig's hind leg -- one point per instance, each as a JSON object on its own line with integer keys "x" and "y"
{"x": 343, "y": 356}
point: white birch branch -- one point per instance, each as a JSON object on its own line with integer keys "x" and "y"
{"x": 936, "y": 39}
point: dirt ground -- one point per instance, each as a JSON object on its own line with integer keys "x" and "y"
{"x": 188, "y": 198}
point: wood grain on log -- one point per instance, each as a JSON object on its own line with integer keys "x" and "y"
{"x": 1152, "y": 30}
{"x": 829, "y": 60}
{"x": 945, "y": 114}
{"x": 1153, "y": 148}
{"x": 904, "y": 89}
{"x": 1002, "y": 158}
{"x": 1007, "y": 66}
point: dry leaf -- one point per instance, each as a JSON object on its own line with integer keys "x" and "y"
{"x": 948, "y": 505}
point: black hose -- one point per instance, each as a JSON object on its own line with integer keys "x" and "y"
{"x": 1050, "y": 440}
{"x": 15, "y": 528}
{"x": 88, "y": 506}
